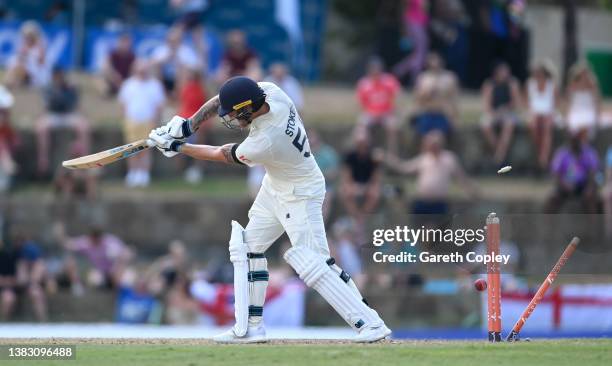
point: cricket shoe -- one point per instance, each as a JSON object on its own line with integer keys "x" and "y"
{"x": 255, "y": 334}
{"x": 373, "y": 334}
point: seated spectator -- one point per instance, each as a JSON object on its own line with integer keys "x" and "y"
{"x": 436, "y": 168}
{"x": 29, "y": 66}
{"x": 142, "y": 98}
{"x": 76, "y": 183}
{"x": 377, "y": 92}
{"x": 192, "y": 94}
{"x": 8, "y": 280}
{"x": 107, "y": 255}
{"x": 327, "y": 159}
{"x": 436, "y": 95}
{"x": 172, "y": 58}
{"x": 583, "y": 101}
{"x": 360, "y": 180}
{"x": 32, "y": 273}
{"x": 8, "y": 140}
{"x": 61, "y": 104}
{"x": 279, "y": 75}
{"x": 171, "y": 265}
{"x": 117, "y": 65}
{"x": 542, "y": 103}
{"x": 239, "y": 59}
{"x": 500, "y": 99}
{"x": 573, "y": 169}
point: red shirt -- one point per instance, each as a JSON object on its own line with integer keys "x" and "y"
{"x": 377, "y": 95}
{"x": 191, "y": 98}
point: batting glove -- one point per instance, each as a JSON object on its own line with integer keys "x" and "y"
{"x": 179, "y": 128}
{"x": 164, "y": 142}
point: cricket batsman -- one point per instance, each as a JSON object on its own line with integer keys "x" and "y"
{"x": 290, "y": 200}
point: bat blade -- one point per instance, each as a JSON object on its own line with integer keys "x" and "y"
{"x": 108, "y": 156}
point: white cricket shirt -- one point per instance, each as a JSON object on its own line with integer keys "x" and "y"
{"x": 277, "y": 140}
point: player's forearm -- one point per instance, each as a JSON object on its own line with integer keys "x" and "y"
{"x": 206, "y": 111}
{"x": 223, "y": 154}
{"x": 200, "y": 152}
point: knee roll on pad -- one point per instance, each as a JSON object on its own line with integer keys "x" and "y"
{"x": 308, "y": 265}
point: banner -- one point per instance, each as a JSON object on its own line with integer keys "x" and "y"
{"x": 585, "y": 307}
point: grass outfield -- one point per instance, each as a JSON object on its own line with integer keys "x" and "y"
{"x": 583, "y": 352}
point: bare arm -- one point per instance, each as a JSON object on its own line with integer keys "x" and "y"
{"x": 223, "y": 154}
{"x": 206, "y": 111}
{"x": 401, "y": 166}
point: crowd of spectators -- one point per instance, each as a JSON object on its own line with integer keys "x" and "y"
{"x": 173, "y": 77}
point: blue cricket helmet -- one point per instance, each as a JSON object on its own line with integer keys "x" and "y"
{"x": 239, "y": 92}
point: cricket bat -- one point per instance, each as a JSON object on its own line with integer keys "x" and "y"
{"x": 121, "y": 152}
{"x": 108, "y": 156}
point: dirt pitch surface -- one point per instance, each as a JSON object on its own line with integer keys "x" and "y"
{"x": 192, "y": 352}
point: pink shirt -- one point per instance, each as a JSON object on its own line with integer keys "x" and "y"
{"x": 415, "y": 12}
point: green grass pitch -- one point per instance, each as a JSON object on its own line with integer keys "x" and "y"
{"x": 583, "y": 352}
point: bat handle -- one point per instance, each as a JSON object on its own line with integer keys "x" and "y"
{"x": 150, "y": 143}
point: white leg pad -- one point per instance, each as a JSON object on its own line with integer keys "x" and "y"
{"x": 314, "y": 271}
{"x": 238, "y": 256}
